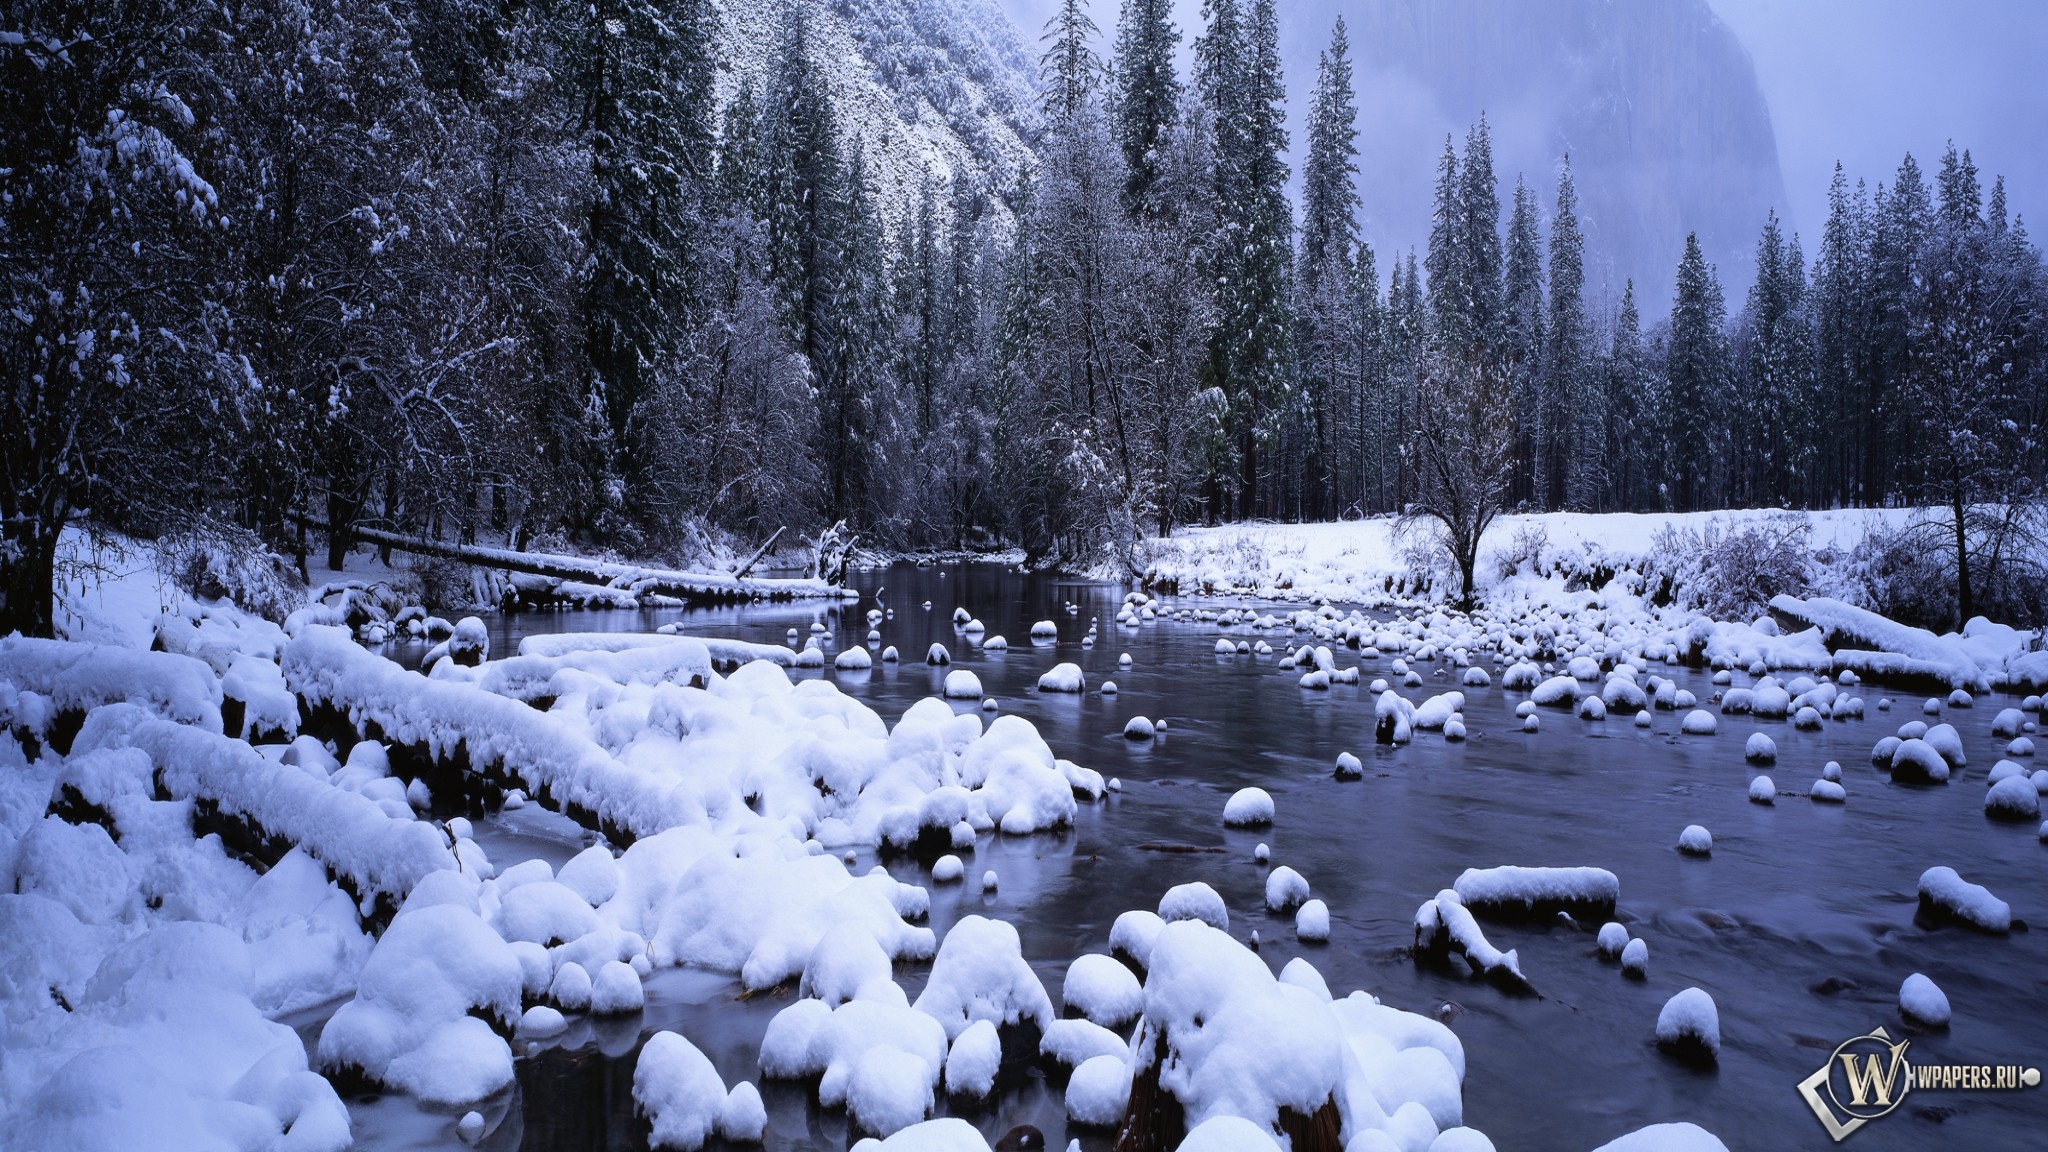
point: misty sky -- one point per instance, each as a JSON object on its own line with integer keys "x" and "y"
{"x": 1862, "y": 81}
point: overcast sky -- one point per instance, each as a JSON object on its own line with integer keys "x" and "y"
{"x": 1862, "y": 81}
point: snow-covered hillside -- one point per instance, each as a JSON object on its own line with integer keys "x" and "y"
{"x": 930, "y": 88}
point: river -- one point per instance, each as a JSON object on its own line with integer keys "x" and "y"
{"x": 1800, "y": 925}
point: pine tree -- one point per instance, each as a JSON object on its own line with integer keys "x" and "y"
{"x": 1629, "y": 437}
{"x": 1695, "y": 374}
{"x": 1148, "y": 93}
{"x": 646, "y": 93}
{"x": 1567, "y": 359}
{"x": 1840, "y": 307}
{"x": 1251, "y": 354}
{"x": 1323, "y": 280}
{"x": 1902, "y": 218}
{"x": 1070, "y": 65}
{"x": 1541, "y": 439}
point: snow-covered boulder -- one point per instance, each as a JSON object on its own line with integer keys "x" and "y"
{"x": 1248, "y": 808}
{"x": 1690, "y": 1026}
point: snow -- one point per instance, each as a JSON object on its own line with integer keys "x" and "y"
{"x": 1511, "y": 888}
{"x": 1922, "y": 1002}
{"x": 1063, "y": 678}
{"x": 1228, "y": 1134}
{"x": 81, "y": 677}
{"x": 1763, "y": 791}
{"x": 1887, "y": 648}
{"x": 1312, "y": 921}
{"x": 1102, "y": 990}
{"x": 1696, "y": 841}
{"x": 343, "y": 830}
{"x": 1612, "y": 939}
{"x": 1917, "y": 762}
{"x": 1285, "y": 889}
{"x": 2013, "y": 798}
{"x": 1699, "y": 722}
{"x": 1192, "y": 901}
{"x": 949, "y": 1134}
{"x": 1099, "y": 1091}
{"x": 1943, "y": 891}
{"x": 1828, "y": 791}
{"x": 742, "y": 1119}
{"x": 1666, "y": 1138}
{"x": 974, "y": 1060}
{"x": 962, "y": 685}
{"x": 1760, "y": 749}
{"x": 1689, "y": 1021}
{"x": 947, "y": 869}
{"x": 1133, "y": 934}
{"x": 1068, "y": 1043}
{"x": 980, "y": 974}
{"x": 1139, "y": 728}
{"x": 678, "y": 1090}
{"x": 1444, "y": 925}
{"x": 1635, "y": 958}
{"x": 1248, "y": 808}
{"x": 410, "y": 1025}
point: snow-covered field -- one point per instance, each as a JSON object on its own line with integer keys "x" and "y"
{"x": 176, "y": 891}
{"x": 1551, "y": 583}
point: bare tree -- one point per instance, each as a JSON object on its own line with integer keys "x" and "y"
{"x": 1462, "y": 455}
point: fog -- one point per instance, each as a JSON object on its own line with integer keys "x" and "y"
{"x": 1862, "y": 81}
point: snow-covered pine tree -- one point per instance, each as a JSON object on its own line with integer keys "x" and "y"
{"x": 1543, "y": 442}
{"x": 1696, "y": 378}
{"x": 1568, "y": 358}
{"x": 1325, "y": 291}
{"x": 1840, "y": 308}
{"x": 1148, "y": 93}
{"x": 645, "y": 81}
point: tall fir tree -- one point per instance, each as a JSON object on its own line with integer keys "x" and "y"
{"x": 1540, "y": 440}
{"x": 1695, "y": 375}
{"x": 1325, "y": 291}
{"x": 646, "y": 93}
{"x": 1568, "y": 358}
{"x": 1148, "y": 93}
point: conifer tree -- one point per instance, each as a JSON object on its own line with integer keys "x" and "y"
{"x": 1695, "y": 374}
{"x": 1148, "y": 93}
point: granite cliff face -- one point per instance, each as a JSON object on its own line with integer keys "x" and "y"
{"x": 1656, "y": 101}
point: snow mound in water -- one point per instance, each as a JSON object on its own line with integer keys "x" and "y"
{"x": 1696, "y": 841}
{"x": 1536, "y": 890}
{"x": 1248, "y": 808}
{"x": 2013, "y": 798}
{"x": 1195, "y": 901}
{"x": 1690, "y": 1025}
{"x": 1312, "y": 922}
{"x": 1285, "y": 889}
{"x": 414, "y": 1022}
{"x": 1102, "y": 990}
{"x": 1760, "y": 749}
{"x": 980, "y": 974}
{"x": 1699, "y": 722}
{"x": 1922, "y": 1002}
{"x": 1099, "y": 1091}
{"x": 1763, "y": 791}
{"x": 973, "y": 1061}
{"x": 1666, "y": 1138}
{"x": 677, "y": 1089}
{"x": 1063, "y": 678}
{"x": 1917, "y": 762}
{"x": 1943, "y": 893}
{"x": 962, "y": 685}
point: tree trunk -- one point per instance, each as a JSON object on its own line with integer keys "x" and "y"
{"x": 1964, "y": 604}
{"x": 340, "y": 516}
{"x": 28, "y": 578}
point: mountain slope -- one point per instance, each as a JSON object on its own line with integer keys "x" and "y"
{"x": 928, "y": 87}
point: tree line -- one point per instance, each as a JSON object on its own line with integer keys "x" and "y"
{"x": 512, "y": 271}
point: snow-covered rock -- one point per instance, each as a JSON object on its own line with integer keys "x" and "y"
{"x": 1922, "y": 1002}
{"x": 1690, "y": 1025}
{"x": 1248, "y": 808}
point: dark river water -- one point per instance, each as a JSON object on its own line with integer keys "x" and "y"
{"x": 1800, "y": 925}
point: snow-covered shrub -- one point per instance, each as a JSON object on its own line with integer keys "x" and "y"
{"x": 1731, "y": 573}
{"x": 223, "y": 562}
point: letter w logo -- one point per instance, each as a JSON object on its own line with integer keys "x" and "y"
{"x": 1873, "y": 1083}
